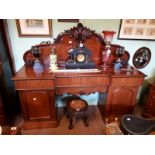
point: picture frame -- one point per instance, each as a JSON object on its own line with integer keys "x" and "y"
{"x": 69, "y": 20}
{"x": 137, "y": 29}
{"x": 34, "y": 27}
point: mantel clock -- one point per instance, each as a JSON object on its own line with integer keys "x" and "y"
{"x": 79, "y": 58}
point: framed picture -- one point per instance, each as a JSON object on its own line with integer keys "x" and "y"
{"x": 34, "y": 27}
{"x": 69, "y": 20}
{"x": 138, "y": 29}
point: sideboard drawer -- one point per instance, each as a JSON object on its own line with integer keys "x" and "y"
{"x": 34, "y": 84}
{"x": 127, "y": 81}
{"x": 82, "y": 81}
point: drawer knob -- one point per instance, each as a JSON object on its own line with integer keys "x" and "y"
{"x": 106, "y": 121}
{"x": 34, "y": 99}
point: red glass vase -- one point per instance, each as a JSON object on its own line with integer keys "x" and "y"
{"x": 107, "y": 37}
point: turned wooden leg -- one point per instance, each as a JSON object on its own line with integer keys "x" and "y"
{"x": 85, "y": 119}
{"x": 71, "y": 119}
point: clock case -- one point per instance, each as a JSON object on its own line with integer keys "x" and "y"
{"x": 74, "y": 63}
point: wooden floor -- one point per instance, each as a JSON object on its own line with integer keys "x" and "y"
{"x": 96, "y": 125}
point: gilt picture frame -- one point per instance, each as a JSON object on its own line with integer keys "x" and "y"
{"x": 34, "y": 27}
{"x": 137, "y": 29}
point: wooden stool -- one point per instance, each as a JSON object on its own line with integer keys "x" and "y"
{"x": 77, "y": 108}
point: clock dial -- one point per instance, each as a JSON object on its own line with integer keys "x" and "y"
{"x": 80, "y": 57}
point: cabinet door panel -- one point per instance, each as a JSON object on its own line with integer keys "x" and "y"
{"x": 38, "y": 104}
{"x": 121, "y": 100}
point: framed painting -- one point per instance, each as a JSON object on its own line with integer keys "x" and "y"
{"x": 34, "y": 27}
{"x": 69, "y": 20}
{"x": 138, "y": 29}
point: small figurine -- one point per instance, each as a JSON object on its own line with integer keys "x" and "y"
{"x": 53, "y": 60}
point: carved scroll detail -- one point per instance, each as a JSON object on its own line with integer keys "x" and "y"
{"x": 79, "y": 34}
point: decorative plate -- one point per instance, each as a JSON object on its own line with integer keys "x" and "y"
{"x": 141, "y": 57}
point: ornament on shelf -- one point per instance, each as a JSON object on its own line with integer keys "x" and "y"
{"x": 36, "y": 52}
{"x": 119, "y": 52}
{"x": 107, "y": 36}
{"x": 53, "y": 60}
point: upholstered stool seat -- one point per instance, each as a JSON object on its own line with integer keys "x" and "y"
{"x": 135, "y": 125}
{"x": 77, "y": 108}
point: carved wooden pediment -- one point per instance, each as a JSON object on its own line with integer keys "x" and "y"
{"x": 79, "y": 34}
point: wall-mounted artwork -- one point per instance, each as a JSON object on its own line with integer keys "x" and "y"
{"x": 139, "y": 29}
{"x": 141, "y": 57}
{"x": 34, "y": 27}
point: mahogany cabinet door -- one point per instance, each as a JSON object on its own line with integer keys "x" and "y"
{"x": 38, "y": 105}
{"x": 121, "y": 100}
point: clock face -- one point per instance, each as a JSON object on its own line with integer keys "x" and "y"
{"x": 80, "y": 57}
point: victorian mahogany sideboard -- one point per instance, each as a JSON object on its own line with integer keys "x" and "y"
{"x": 37, "y": 90}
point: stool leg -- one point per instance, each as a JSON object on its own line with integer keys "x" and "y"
{"x": 71, "y": 119}
{"x": 85, "y": 119}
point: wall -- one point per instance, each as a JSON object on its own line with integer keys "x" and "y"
{"x": 21, "y": 44}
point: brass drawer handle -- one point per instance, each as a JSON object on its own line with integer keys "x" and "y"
{"x": 34, "y": 99}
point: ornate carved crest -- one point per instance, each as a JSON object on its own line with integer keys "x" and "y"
{"x": 79, "y": 34}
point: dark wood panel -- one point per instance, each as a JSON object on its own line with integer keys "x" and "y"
{"x": 38, "y": 108}
{"x": 38, "y": 104}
